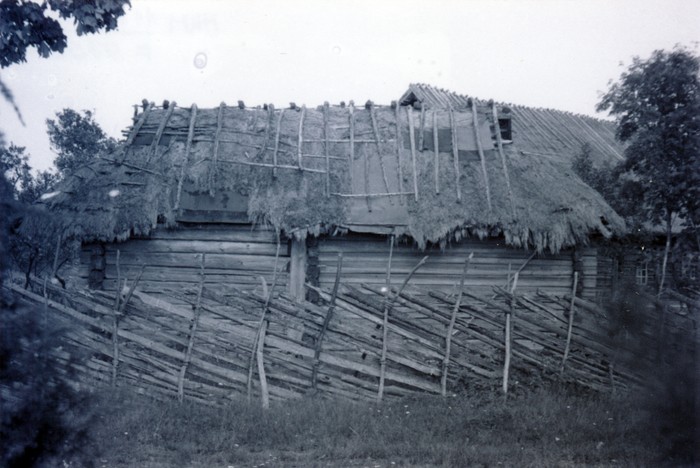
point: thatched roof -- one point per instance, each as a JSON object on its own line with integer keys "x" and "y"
{"x": 314, "y": 170}
{"x": 538, "y": 131}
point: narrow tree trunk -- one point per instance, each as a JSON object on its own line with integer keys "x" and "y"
{"x": 666, "y": 252}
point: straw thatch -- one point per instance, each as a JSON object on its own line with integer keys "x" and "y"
{"x": 312, "y": 171}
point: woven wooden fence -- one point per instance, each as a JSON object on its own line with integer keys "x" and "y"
{"x": 359, "y": 343}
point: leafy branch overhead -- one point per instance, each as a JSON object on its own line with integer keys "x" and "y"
{"x": 25, "y": 24}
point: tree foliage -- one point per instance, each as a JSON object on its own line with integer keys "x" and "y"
{"x": 656, "y": 104}
{"x": 25, "y": 24}
{"x": 77, "y": 139}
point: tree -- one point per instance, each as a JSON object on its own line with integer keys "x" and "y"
{"x": 77, "y": 139}
{"x": 25, "y": 24}
{"x": 14, "y": 165}
{"x": 656, "y": 104}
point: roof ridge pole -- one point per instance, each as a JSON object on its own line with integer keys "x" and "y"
{"x": 436, "y": 163}
{"x": 188, "y": 148}
{"x": 301, "y": 137}
{"x": 215, "y": 157}
{"x": 375, "y": 129}
{"x": 326, "y": 151}
{"x": 479, "y": 147}
{"x": 455, "y": 152}
{"x": 159, "y": 132}
{"x": 351, "y": 119}
{"x": 412, "y": 137}
{"x": 277, "y": 144}
{"x": 499, "y": 143}
{"x": 399, "y": 143}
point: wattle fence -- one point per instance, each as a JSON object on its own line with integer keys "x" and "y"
{"x": 359, "y": 343}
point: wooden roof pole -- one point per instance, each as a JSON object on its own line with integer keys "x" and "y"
{"x": 326, "y": 150}
{"x": 412, "y": 138}
{"x": 215, "y": 157}
{"x": 399, "y": 143}
{"x": 277, "y": 144}
{"x": 421, "y": 134}
{"x": 159, "y": 132}
{"x": 188, "y": 148}
{"x": 436, "y": 163}
{"x": 455, "y": 153}
{"x": 351, "y": 119}
{"x": 139, "y": 124}
{"x": 365, "y": 166}
{"x": 499, "y": 143}
{"x": 375, "y": 130}
{"x": 301, "y": 136}
{"x": 477, "y": 137}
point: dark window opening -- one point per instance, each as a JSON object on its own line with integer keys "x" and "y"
{"x": 504, "y": 124}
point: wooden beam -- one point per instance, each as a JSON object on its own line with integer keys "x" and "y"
{"x": 436, "y": 153}
{"x": 375, "y": 130}
{"x": 215, "y": 156}
{"x": 399, "y": 143}
{"x": 326, "y": 149}
{"x": 326, "y": 322}
{"x": 477, "y": 137}
{"x": 300, "y": 141}
{"x": 264, "y": 392}
{"x": 412, "y": 138}
{"x": 499, "y": 143}
{"x": 134, "y": 132}
{"x": 193, "y": 331}
{"x": 570, "y": 327}
{"x": 351, "y": 119}
{"x": 277, "y": 143}
{"x": 455, "y": 152}
{"x": 188, "y": 148}
{"x": 297, "y": 269}
{"x": 451, "y": 326}
{"x": 385, "y": 322}
{"x": 159, "y": 132}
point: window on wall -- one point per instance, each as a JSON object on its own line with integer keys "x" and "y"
{"x": 642, "y": 274}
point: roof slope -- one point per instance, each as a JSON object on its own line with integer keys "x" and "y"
{"x": 543, "y": 132}
{"x": 307, "y": 171}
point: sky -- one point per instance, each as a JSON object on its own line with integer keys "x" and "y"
{"x": 542, "y": 53}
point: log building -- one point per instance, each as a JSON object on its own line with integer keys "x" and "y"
{"x": 278, "y": 193}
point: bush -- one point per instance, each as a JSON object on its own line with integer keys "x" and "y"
{"x": 45, "y": 421}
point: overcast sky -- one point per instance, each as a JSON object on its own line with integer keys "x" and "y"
{"x": 541, "y": 53}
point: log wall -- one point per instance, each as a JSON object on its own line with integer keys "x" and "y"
{"x": 236, "y": 255}
{"x": 365, "y": 261}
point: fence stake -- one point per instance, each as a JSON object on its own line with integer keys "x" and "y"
{"x": 571, "y": 325}
{"x": 450, "y": 328}
{"x": 506, "y": 364}
{"x": 193, "y": 330}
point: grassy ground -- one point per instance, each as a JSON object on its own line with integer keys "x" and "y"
{"x": 546, "y": 427}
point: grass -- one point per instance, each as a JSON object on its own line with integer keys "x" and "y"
{"x": 545, "y": 427}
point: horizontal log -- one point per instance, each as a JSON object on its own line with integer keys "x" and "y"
{"x": 148, "y": 246}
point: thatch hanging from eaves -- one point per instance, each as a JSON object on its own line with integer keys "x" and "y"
{"x": 310, "y": 171}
